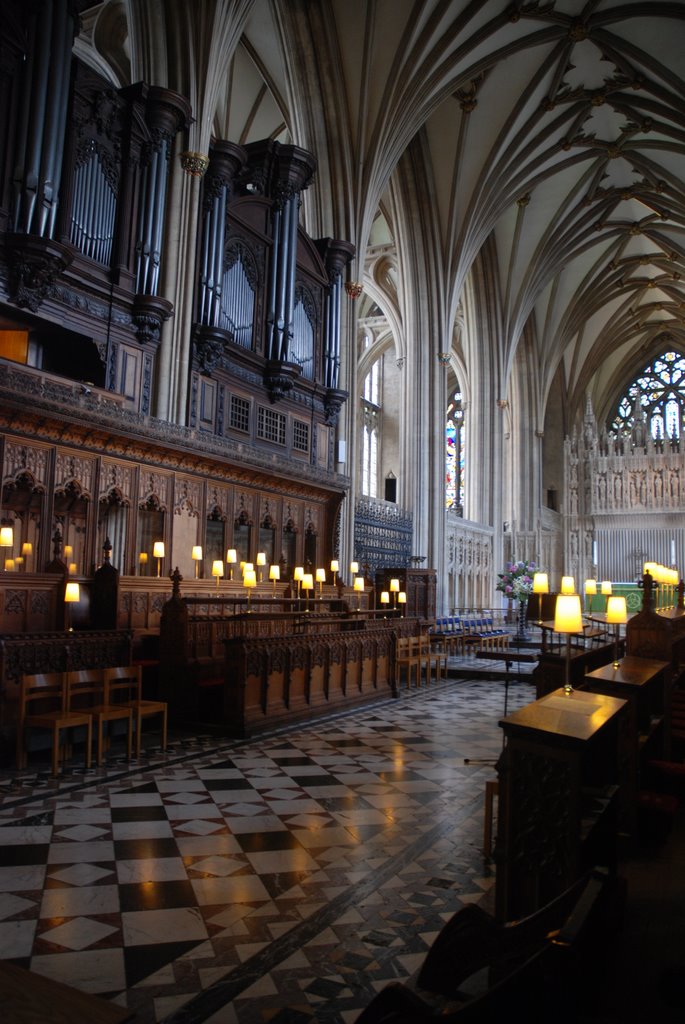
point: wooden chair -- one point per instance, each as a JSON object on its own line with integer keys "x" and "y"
{"x": 123, "y": 686}
{"x": 86, "y": 692}
{"x": 43, "y": 705}
{"x": 408, "y": 656}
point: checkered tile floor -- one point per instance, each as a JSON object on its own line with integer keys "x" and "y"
{"x": 283, "y": 879}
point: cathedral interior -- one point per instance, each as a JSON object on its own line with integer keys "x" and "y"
{"x": 331, "y": 306}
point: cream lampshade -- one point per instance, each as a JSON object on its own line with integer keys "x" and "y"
{"x": 261, "y": 561}
{"x": 568, "y": 619}
{"x": 590, "y": 587}
{"x": 605, "y": 587}
{"x": 568, "y": 585}
{"x": 231, "y": 559}
{"x": 394, "y": 590}
{"x": 9, "y": 565}
{"x": 540, "y": 587}
{"x": 196, "y": 556}
{"x": 6, "y": 537}
{"x": 217, "y": 570}
{"x": 321, "y": 579}
{"x": 158, "y": 553}
{"x": 274, "y": 574}
{"x": 385, "y": 598}
{"x": 335, "y": 569}
{"x": 617, "y": 615}
{"x": 359, "y": 589}
{"x": 354, "y": 568}
{"x": 249, "y": 582}
{"x": 402, "y": 598}
{"x": 72, "y": 595}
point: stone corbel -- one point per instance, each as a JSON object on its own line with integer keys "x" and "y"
{"x": 149, "y": 313}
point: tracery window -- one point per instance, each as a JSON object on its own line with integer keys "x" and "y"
{"x": 454, "y": 454}
{"x": 371, "y": 413}
{"x": 660, "y": 392}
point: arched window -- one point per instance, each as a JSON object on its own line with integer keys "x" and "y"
{"x": 454, "y": 454}
{"x": 371, "y": 414}
{"x": 659, "y": 392}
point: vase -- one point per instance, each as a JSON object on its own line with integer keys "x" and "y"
{"x": 521, "y": 621}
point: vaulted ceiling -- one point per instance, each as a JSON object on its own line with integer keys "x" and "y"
{"x": 555, "y": 130}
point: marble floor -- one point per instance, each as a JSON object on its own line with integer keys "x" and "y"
{"x": 281, "y": 879}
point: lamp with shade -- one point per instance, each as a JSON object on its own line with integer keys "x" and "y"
{"x": 26, "y": 553}
{"x": 72, "y": 595}
{"x": 298, "y": 573}
{"x": 617, "y": 615}
{"x": 10, "y": 565}
{"x": 158, "y": 553}
{"x": 605, "y": 590}
{"x": 274, "y": 575}
{"x": 540, "y": 587}
{"x": 307, "y": 585}
{"x": 335, "y": 569}
{"x": 231, "y": 559}
{"x": 249, "y": 582}
{"x": 320, "y": 579}
{"x": 142, "y": 562}
{"x": 7, "y": 541}
{"x": 217, "y": 570}
{"x": 261, "y": 562}
{"x": 568, "y": 585}
{"x": 359, "y": 590}
{"x": 394, "y": 590}
{"x": 402, "y": 599}
{"x": 196, "y": 556}
{"x": 385, "y": 599}
{"x": 590, "y": 591}
{"x": 568, "y": 618}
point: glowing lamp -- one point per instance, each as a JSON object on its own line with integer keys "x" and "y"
{"x": 568, "y": 619}
{"x": 217, "y": 570}
{"x": 196, "y": 556}
{"x": 158, "y": 553}
{"x": 617, "y": 614}
{"x": 568, "y": 585}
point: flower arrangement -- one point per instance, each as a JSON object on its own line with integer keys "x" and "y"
{"x": 516, "y": 581}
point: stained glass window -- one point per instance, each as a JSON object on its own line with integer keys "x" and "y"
{"x": 454, "y": 454}
{"x": 659, "y": 392}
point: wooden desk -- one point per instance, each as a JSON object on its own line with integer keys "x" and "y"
{"x": 28, "y": 998}
{"x": 644, "y": 684}
{"x": 559, "y": 778}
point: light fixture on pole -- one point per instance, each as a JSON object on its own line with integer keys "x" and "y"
{"x": 359, "y": 590}
{"x": 605, "y": 589}
{"x": 274, "y": 574}
{"x": 249, "y": 582}
{"x": 568, "y": 585}
{"x": 354, "y": 569}
{"x": 394, "y": 590}
{"x": 568, "y": 619}
{"x": 590, "y": 591}
{"x": 142, "y": 562}
{"x": 72, "y": 595}
{"x": 158, "y": 553}
{"x": 307, "y": 585}
{"x": 540, "y": 587}
{"x": 231, "y": 559}
{"x": 26, "y": 553}
{"x": 617, "y": 615}
{"x": 320, "y": 579}
{"x": 402, "y": 599}
{"x": 7, "y": 541}
{"x": 385, "y": 600}
{"x": 196, "y": 556}
{"x": 261, "y": 561}
{"x": 298, "y": 573}
{"x": 335, "y": 569}
{"x": 217, "y": 570}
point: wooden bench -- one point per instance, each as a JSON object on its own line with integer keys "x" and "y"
{"x": 28, "y": 998}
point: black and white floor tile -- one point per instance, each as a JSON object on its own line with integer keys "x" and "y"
{"x": 281, "y": 879}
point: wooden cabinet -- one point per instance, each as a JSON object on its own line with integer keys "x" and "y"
{"x": 559, "y": 780}
{"x": 645, "y": 686}
{"x": 420, "y": 586}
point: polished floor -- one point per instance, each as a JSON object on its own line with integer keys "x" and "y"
{"x": 282, "y": 879}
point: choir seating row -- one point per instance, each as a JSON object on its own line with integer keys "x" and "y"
{"x": 86, "y": 699}
{"x": 473, "y": 631}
